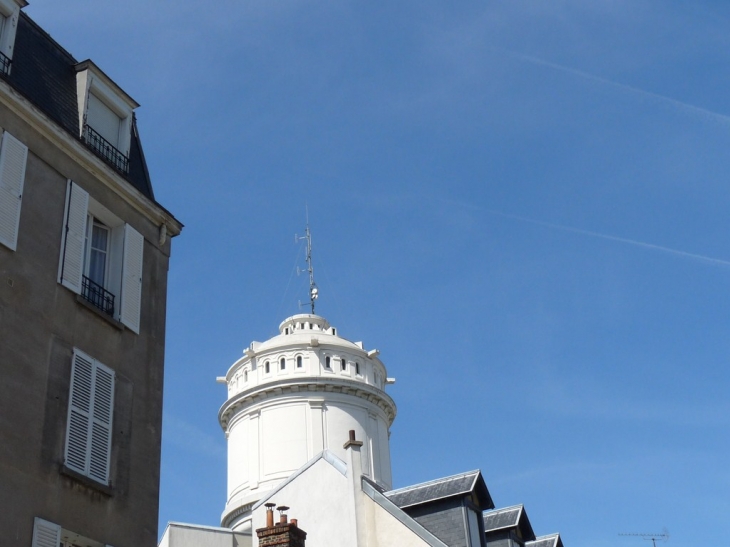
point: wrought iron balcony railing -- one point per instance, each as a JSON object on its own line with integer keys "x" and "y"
{"x": 4, "y": 64}
{"x": 97, "y": 295}
{"x": 105, "y": 150}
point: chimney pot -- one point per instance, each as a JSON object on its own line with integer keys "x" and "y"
{"x": 270, "y": 514}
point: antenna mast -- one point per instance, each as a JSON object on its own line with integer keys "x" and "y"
{"x": 313, "y": 290}
{"x": 664, "y": 536}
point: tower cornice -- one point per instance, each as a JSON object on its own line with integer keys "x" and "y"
{"x": 308, "y": 385}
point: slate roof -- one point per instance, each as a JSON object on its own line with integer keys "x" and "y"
{"x": 43, "y": 72}
{"x": 509, "y": 517}
{"x": 552, "y": 540}
{"x": 447, "y": 487}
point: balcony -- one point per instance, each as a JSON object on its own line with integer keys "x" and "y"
{"x": 97, "y": 295}
{"x": 105, "y": 150}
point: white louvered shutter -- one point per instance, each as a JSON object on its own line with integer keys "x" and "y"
{"x": 79, "y": 412}
{"x": 101, "y": 424}
{"x": 13, "y": 158}
{"x": 71, "y": 266}
{"x": 90, "y": 417}
{"x": 46, "y": 534}
{"x": 131, "y": 301}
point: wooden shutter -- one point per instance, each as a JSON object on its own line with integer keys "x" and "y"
{"x": 46, "y": 534}
{"x": 131, "y": 301}
{"x": 79, "y": 412}
{"x": 13, "y": 159}
{"x": 90, "y": 415}
{"x": 101, "y": 424}
{"x": 71, "y": 265}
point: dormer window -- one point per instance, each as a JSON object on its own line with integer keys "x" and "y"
{"x": 9, "y": 13}
{"x": 105, "y": 115}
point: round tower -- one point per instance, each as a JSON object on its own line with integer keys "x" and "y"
{"x": 293, "y": 396}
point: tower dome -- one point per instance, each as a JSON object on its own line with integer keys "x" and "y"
{"x": 293, "y": 396}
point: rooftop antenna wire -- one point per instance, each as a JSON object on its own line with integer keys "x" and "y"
{"x": 664, "y": 536}
{"x": 313, "y": 290}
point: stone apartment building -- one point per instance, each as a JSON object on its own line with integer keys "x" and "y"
{"x": 84, "y": 254}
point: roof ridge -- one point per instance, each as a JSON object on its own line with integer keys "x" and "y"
{"x": 509, "y": 508}
{"x": 434, "y": 481}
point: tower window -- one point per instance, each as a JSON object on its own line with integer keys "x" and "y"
{"x": 327, "y": 363}
{"x": 267, "y": 367}
{"x": 343, "y": 364}
{"x": 299, "y": 361}
{"x": 357, "y": 369}
{"x": 282, "y": 363}
{"x": 245, "y": 376}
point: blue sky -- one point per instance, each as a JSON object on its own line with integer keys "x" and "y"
{"x": 522, "y": 204}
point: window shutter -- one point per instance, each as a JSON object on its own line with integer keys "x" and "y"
{"x": 103, "y": 120}
{"x": 131, "y": 301}
{"x": 79, "y": 412}
{"x": 101, "y": 424}
{"x": 90, "y": 416}
{"x": 74, "y": 232}
{"x": 13, "y": 158}
{"x": 46, "y": 534}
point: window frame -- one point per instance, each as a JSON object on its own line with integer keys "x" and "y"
{"x": 9, "y": 11}
{"x": 126, "y": 255}
{"x": 91, "y": 79}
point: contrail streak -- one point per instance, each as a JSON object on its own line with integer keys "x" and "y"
{"x": 634, "y": 242}
{"x": 702, "y": 113}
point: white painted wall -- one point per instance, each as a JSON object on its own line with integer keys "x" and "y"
{"x": 384, "y": 530}
{"x": 334, "y": 511}
{"x": 321, "y": 501}
{"x": 190, "y": 535}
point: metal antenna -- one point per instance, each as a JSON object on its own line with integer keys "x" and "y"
{"x": 313, "y": 290}
{"x": 664, "y": 536}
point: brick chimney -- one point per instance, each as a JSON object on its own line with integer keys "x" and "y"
{"x": 281, "y": 534}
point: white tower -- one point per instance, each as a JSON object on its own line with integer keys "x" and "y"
{"x": 293, "y": 396}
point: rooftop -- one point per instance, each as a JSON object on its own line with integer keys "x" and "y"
{"x": 447, "y": 487}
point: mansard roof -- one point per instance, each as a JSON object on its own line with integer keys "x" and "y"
{"x": 439, "y": 489}
{"x": 552, "y": 540}
{"x": 45, "y": 74}
{"x": 514, "y": 517}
